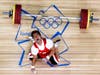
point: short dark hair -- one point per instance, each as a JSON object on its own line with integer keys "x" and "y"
{"x": 35, "y": 31}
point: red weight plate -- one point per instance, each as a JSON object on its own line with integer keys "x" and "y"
{"x": 84, "y": 18}
{"x": 17, "y": 14}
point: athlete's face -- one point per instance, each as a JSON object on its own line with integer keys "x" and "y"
{"x": 37, "y": 38}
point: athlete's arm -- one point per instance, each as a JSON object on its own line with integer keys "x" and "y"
{"x": 34, "y": 52}
{"x": 51, "y": 47}
{"x": 52, "y": 51}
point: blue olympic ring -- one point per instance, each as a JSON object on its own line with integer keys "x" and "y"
{"x": 54, "y": 22}
{"x": 44, "y": 22}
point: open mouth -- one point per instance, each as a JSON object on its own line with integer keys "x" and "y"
{"x": 38, "y": 40}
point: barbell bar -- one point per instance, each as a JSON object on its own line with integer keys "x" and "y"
{"x": 85, "y": 15}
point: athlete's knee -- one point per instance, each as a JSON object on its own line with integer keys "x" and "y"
{"x": 31, "y": 56}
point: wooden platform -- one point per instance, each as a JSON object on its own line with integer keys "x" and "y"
{"x": 84, "y": 52}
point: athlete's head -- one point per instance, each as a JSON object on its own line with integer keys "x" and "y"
{"x": 36, "y": 35}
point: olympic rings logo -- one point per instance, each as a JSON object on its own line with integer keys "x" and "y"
{"x": 48, "y": 22}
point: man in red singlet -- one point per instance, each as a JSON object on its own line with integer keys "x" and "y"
{"x": 42, "y": 48}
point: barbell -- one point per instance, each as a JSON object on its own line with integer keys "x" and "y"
{"x": 86, "y": 16}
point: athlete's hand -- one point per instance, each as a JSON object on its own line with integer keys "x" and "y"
{"x": 32, "y": 68}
